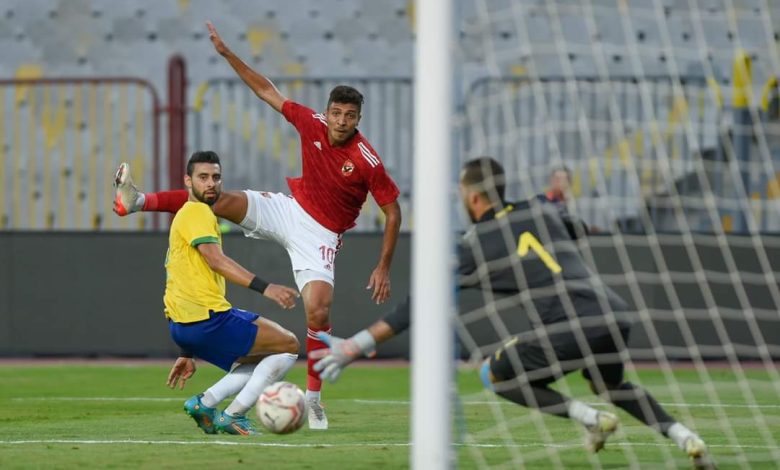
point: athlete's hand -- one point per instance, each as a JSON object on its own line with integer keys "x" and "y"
{"x": 341, "y": 352}
{"x": 219, "y": 45}
{"x": 282, "y": 295}
{"x": 380, "y": 282}
{"x": 182, "y": 369}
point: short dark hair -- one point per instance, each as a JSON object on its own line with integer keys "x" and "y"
{"x": 346, "y": 95}
{"x": 203, "y": 156}
{"x": 486, "y": 175}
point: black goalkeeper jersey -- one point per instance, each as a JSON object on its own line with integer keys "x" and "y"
{"x": 526, "y": 247}
{"x": 523, "y": 246}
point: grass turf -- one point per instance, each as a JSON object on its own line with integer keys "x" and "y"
{"x": 115, "y": 416}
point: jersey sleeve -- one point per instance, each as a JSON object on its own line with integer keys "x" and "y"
{"x": 198, "y": 225}
{"x": 467, "y": 264}
{"x": 301, "y": 117}
{"x": 400, "y": 318}
{"x": 381, "y": 186}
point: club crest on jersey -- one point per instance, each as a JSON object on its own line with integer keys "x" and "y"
{"x": 347, "y": 168}
{"x": 318, "y": 144}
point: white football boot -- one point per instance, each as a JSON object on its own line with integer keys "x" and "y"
{"x": 607, "y": 423}
{"x": 697, "y": 451}
{"x": 127, "y": 199}
{"x": 317, "y": 418}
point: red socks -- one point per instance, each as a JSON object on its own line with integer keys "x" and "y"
{"x": 313, "y": 382}
{"x": 165, "y": 201}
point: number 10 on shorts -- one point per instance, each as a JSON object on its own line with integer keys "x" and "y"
{"x": 328, "y": 254}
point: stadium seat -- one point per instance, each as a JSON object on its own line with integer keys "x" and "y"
{"x": 375, "y": 38}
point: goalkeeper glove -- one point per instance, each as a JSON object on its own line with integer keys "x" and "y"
{"x": 342, "y": 352}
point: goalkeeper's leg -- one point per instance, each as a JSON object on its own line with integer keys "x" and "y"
{"x": 521, "y": 373}
{"x": 607, "y": 381}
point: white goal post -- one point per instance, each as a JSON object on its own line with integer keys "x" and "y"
{"x": 432, "y": 278}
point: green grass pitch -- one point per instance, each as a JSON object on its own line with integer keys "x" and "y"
{"x": 122, "y": 416}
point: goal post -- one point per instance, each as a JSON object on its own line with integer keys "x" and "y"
{"x": 432, "y": 249}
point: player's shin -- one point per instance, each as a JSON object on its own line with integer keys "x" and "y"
{"x": 271, "y": 369}
{"x": 313, "y": 381}
{"x": 637, "y": 402}
{"x": 228, "y": 385}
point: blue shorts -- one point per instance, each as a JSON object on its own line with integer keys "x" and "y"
{"x": 221, "y": 339}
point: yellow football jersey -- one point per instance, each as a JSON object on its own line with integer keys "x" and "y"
{"x": 191, "y": 287}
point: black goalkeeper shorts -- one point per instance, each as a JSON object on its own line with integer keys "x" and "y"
{"x": 544, "y": 361}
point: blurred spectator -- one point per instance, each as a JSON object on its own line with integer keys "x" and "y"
{"x": 559, "y": 193}
{"x": 558, "y": 190}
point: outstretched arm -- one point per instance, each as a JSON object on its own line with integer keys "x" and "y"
{"x": 380, "y": 277}
{"x": 341, "y": 352}
{"x": 262, "y": 86}
{"x": 235, "y": 273}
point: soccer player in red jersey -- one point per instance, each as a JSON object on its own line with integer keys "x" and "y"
{"x": 339, "y": 169}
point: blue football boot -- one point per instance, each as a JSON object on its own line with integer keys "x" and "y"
{"x": 239, "y": 425}
{"x": 202, "y": 414}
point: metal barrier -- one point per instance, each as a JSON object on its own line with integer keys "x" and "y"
{"x": 633, "y": 146}
{"x": 60, "y": 141}
{"x": 624, "y": 140}
{"x": 260, "y": 148}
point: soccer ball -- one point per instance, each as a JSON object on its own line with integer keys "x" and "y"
{"x": 282, "y": 408}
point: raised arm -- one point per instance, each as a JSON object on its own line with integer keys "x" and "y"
{"x": 262, "y": 86}
{"x": 237, "y": 274}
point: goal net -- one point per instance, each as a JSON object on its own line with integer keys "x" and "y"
{"x": 664, "y": 116}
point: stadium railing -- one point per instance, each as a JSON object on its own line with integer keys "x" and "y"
{"x": 612, "y": 152}
{"x": 60, "y": 138}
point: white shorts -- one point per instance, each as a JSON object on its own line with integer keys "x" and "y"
{"x": 312, "y": 248}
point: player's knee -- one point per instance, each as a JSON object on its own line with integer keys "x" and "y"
{"x": 318, "y": 315}
{"x": 624, "y": 386}
{"x": 317, "y": 299}
{"x": 291, "y": 343}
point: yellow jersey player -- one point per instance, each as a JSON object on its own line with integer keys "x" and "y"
{"x": 254, "y": 351}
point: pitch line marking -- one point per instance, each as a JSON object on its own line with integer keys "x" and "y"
{"x": 387, "y": 402}
{"x": 487, "y": 402}
{"x": 348, "y": 444}
{"x": 98, "y": 399}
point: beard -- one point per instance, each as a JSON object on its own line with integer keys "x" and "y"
{"x": 470, "y": 212}
{"x": 472, "y": 216}
{"x": 209, "y": 199}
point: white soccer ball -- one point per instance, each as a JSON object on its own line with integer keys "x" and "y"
{"x": 282, "y": 408}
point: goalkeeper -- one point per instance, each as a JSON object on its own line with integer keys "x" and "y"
{"x": 569, "y": 307}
